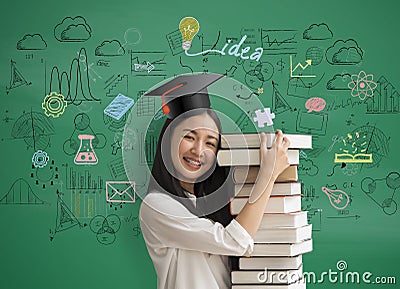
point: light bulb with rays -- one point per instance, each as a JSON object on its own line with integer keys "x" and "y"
{"x": 189, "y": 27}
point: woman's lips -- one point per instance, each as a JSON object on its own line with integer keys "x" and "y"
{"x": 192, "y": 163}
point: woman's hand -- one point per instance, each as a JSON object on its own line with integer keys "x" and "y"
{"x": 275, "y": 160}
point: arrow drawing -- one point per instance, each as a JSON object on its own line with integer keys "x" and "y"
{"x": 303, "y": 67}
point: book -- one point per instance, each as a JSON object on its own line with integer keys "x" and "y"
{"x": 283, "y": 235}
{"x": 276, "y": 204}
{"x": 350, "y": 158}
{"x": 260, "y": 263}
{"x": 296, "y": 219}
{"x": 252, "y": 140}
{"x": 267, "y": 276}
{"x": 249, "y": 157}
{"x": 248, "y": 175}
{"x": 289, "y": 249}
{"x": 279, "y": 189}
{"x": 301, "y": 284}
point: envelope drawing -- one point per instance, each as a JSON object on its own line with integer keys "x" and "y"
{"x": 121, "y": 192}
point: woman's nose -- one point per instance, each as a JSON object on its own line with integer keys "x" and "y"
{"x": 197, "y": 148}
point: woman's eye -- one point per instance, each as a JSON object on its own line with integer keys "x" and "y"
{"x": 189, "y": 137}
{"x": 211, "y": 144}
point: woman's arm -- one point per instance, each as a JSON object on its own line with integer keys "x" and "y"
{"x": 273, "y": 162}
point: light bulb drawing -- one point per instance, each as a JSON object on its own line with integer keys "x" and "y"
{"x": 338, "y": 198}
{"x": 188, "y": 27}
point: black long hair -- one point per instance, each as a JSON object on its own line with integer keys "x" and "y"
{"x": 213, "y": 193}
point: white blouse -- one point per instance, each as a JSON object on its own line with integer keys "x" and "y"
{"x": 189, "y": 252}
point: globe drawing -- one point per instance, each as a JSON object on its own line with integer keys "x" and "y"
{"x": 315, "y": 54}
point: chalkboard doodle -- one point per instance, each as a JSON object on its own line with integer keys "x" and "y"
{"x": 65, "y": 219}
{"x": 315, "y": 54}
{"x": 369, "y": 139}
{"x": 72, "y": 30}
{"x": 34, "y": 128}
{"x": 299, "y": 65}
{"x": 82, "y": 126}
{"x": 110, "y": 48}
{"x": 265, "y": 117}
{"x": 54, "y": 104}
{"x": 308, "y": 167}
{"x": 154, "y": 61}
{"x": 77, "y": 81}
{"x": 40, "y": 159}
{"x": 132, "y": 36}
{"x": 188, "y": 27}
{"x": 117, "y": 83}
{"x": 86, "y": 154}
{"x": 21, "y": 193}
{"x": 185, "y": 65}
{"x": 344, "y": 52}
{"x": 82, "y": 180}
{"x": 338, "y": 198}
{"x": 120, "y": 192}
{"x": 257, "y": 73}
{"x": 16, "y": 79}
{"x": 279, "y": 41}
{"x": 339, "y": 82}
{"x": 299, "y": 87}
{"x": 279, "y": 103}
{"x": 386, "y": 98}
{"x": 174, "y": 39}
{"x": 312, "y": 123}
{"x": 362, "y": 85}
{"x": 31, "y": 42}
{"x": 119, "y": 106}
{"x": 318, "y": 32}
{"x": 105, "y": 228}
{"x": 46, "y": 174}
{"x": 381, "y": 195}
{"x": 315, "y": 104}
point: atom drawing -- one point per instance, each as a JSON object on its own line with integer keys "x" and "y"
{"x": 362, "y": 85}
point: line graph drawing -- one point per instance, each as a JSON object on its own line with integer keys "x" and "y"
{"x": 34, "y": 128}
{"x": 16, "y": 78}
{"x": 21, "y": 193}
{"x": 300, "y": 88}
{"x": 116, "y": 84}
{"x": 299, "y": 65}
{"x": 279, "y": 41}
{"x": 65, "y": 219}
{"x": 74, "y": 85}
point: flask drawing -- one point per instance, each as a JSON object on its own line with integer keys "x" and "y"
{"x": 85, "y": 154}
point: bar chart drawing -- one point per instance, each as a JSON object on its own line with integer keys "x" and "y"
{"x": 386, "y": 99}
{"x": 82, "y": 180}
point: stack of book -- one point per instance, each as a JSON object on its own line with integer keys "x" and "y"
{"x": 284, "y": 234}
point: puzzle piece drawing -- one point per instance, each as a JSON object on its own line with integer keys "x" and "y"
{"x": 264, "y": 117}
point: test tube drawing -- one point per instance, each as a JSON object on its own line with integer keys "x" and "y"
{"x": 85, "y": 154}
{"x": 338, "y": 198}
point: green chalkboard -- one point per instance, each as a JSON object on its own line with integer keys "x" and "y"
{"x": 326, "y": 68}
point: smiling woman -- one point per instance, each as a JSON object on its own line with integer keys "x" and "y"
{"x": 189, "y": 238}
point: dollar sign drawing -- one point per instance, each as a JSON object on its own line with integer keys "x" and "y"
{"x": 136, "y": 231}
{"x": 281, "y": 64}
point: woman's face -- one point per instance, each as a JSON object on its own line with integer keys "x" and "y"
{"x": 194, "y": 147}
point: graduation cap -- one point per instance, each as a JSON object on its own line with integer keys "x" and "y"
{"x": 184, "y": 93}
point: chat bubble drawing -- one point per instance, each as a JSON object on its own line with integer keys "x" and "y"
{"x": 315, "y": 104}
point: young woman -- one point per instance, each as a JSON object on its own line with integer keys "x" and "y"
{"x": 185, "y": 217}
